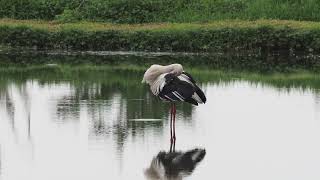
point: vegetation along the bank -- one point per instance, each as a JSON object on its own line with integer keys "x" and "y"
{"x": 234, "y": 35}
{"x": 146, "y": 11}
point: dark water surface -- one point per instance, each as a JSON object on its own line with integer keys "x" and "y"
{"x": 107, "y": 125}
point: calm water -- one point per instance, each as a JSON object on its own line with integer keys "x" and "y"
{"x": 84, "y": 128}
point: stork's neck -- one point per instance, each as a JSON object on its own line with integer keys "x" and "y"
{"x": 175, "y": 69}
{"x": 166, "y": 69}
{"x": 152, "y": 74}
{"x": 157, "y": 85}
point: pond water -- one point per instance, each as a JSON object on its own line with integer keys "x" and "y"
{"x": 92, "y": 126}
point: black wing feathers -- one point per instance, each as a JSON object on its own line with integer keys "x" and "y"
{"x": 189, "y": 77}
{"x": 197, "y": 89}
{"x": 201, "y": 94}
{"x": 177, "y": 90}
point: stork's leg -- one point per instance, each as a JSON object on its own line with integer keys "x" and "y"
{"x": 172, "y": 146}
{"x": 174, "y": 122}
{"x": 171, "y": 121}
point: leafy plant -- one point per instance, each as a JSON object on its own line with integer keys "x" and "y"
{"x": 68, "y": 16}
{"x": 145, "y": 11}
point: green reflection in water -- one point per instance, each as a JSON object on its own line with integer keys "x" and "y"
{"x": 280, "y": 62}
{"x": 96, "y": 83}
{"x": 129, "y": 76}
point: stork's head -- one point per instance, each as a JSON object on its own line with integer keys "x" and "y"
{"x": 156, "y": 70}
{"x": 175, "y": 69}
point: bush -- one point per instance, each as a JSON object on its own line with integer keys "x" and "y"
{"x": 262, "y": 38}
{"x": 144, "y": 11}
{"x": 68, "y": 16}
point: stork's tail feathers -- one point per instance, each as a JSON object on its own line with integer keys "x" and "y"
{"x": 199, "y": 96}
{"x": 197, "y": 155}
{"x": 190, "y": 158}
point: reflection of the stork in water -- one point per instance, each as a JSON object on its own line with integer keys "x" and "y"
{"x": 174, "y": 164}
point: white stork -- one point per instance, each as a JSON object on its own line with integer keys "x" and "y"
{"x": 171, "y": 84}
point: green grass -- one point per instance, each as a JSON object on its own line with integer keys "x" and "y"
{"x": 99, "y": 26}
{"x": 147, "y": 11}
{"x": 233, "y": 35}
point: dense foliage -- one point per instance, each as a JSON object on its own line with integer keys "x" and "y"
{"x": 233, "y": 36}
{"x": 140, "y": 11}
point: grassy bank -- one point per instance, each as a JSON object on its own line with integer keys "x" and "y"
{"x": 142, "y": 11}
{"x": 262, "y": 35}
